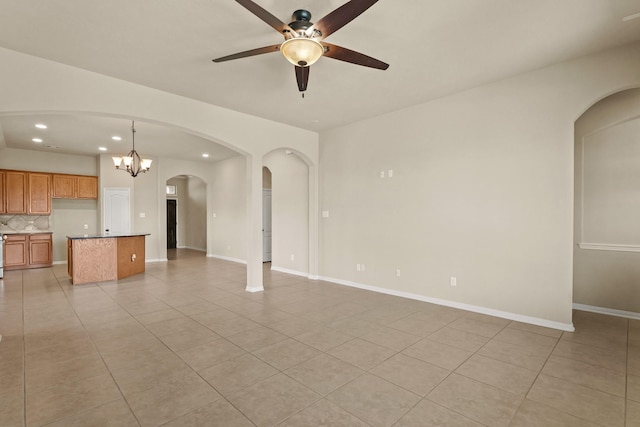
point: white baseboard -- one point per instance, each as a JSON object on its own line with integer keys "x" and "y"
{"x": 225, "y": 258}
{"x": 609, "y": 311}
{"x": 286, "y": 270}
{"x": 192, "y": 248}
{"x": 59, "y": 262}
{"x": 468, "y": 307}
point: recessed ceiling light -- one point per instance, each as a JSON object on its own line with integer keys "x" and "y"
{"x": 116, "y": 138}
{"x": 205, "y": 155}
{"x": 41, "y": 126}
{"x": 55, "y": 147}
{"x": 102, "y": 148}
{"x": 37, "y": 139}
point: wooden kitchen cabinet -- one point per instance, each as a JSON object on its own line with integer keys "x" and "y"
{"x": 25, "y": 193}
{"x": 75, "y": 186}
{"x": 87, "y": 187}
{"x": 64, "y": 186}
{"x": 15, "y": 192}
{"x": 39, "y": 194}
{"x": 28, "y": 251}
{"x": 15, "y": 251}
{"x": 40, "y": 252}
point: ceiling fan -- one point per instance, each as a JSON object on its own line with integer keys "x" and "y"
{"x": 304, "y": 41}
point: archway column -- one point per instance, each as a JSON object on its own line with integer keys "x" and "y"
{"x": 254, "y": 224}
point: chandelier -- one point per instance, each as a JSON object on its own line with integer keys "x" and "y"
{"x": 133, "y": 164}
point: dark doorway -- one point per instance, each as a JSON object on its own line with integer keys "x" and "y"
{"x": 171, "y": 224}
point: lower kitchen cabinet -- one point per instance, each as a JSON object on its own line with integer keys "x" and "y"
{"x": 28, "y": 251}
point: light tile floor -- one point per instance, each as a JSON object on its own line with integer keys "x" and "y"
{"x": 185, "y": 345}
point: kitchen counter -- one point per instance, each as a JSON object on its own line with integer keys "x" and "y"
{"x": 25, "y": 231}
{"x": 105, "y": 236}
{"x": 93, "y": 258}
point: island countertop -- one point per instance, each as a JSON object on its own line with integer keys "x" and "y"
{"x": 105, "y": 236}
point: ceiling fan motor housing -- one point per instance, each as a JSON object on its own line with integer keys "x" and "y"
{"x": 301, "y": 22}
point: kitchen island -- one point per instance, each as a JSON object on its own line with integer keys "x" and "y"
{"x": 93, "y": 258}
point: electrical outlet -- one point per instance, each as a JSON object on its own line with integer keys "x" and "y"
{"x": 357, "y": 267}
{"x": 381, "y": 174}
{"x": 398, "y": 272}
{"x": 453, "y": 281}
{"x": 390, "y": 173}
{"x": 86, "y": 226}
{"x": 292, "y": 257}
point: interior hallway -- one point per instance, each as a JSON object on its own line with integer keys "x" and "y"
{"x": 183, "y": 344}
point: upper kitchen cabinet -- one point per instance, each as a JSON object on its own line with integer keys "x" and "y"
{"x": 39, "y": 200}
{"x": 75, "y": 186}
{"x": 15, "y": 192}
{"x": 87, "y": 187}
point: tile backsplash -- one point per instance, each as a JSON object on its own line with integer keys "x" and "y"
{"x": 17, "y": 223}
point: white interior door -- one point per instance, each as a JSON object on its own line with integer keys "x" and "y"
{"x": 117, "y": 216}
{"x": 266, "y": 225}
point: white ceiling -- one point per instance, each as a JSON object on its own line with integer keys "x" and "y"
{"x": 434, "y": 48}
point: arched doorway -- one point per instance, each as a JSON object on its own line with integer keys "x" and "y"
{"x": 290, "y": 211}
{"x": 606, "y": 229}
{"x": 186, "y": 204}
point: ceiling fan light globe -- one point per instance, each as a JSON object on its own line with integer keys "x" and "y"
{"x": 302, "y": 51}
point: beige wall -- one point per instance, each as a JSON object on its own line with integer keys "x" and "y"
{"x": 228, "y": 211}
{"x": 482, "y": 190}
{"x": 196, "y": 214}
{"x": 606, "y": 204}
{"x": 266, "y": 178}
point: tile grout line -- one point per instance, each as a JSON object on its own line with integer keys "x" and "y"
{"x": 24, "y": 354}
{"x": 96, "y": 349}
{"x": 626, "y": 374}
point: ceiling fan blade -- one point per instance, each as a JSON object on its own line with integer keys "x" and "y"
{"x": 246, "y": 53}
{"x": 348, "y": 55}
{"x": 337, "y": 19}
{"x": 302, "y": 76}
{"x": 266, "y": 16}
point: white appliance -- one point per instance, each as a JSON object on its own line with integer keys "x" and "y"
{"x": 2, "y": 238}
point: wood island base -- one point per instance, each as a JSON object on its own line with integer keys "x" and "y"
{"x": 92, "y": 259}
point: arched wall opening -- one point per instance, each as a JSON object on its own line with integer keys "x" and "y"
{"x": 606, "y": 262}
{"x": 290, "y": 211}
{"x": 186, "y": 213}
